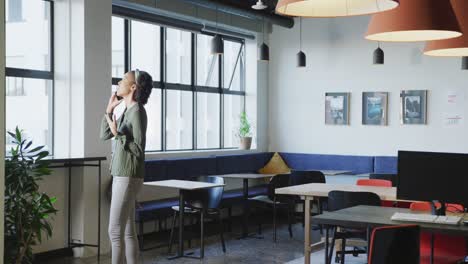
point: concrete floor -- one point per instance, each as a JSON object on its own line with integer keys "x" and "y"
{"x": 252, "y": 250}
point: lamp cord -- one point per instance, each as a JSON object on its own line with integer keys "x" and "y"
{"x": 300, "y": 33}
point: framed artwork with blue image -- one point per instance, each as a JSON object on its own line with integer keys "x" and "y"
{"x": 337, "y": 108}
{"x": 374, "y": 108}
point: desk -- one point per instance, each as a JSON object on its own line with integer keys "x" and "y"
{"x": 308, "y": 192}
{"x": 182, "y": 186}
{"x": 80, "y": 162}
{"x": 365, "y": 217}
{"x": 245, "y": 177}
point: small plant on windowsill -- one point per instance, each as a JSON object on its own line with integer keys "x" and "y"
{"x": 245, "y": 132}
{"x": 27, "y": 210}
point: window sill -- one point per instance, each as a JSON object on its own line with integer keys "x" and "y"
{"x": 196, "y": 153}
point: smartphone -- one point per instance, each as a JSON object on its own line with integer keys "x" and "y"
{"x": 118, "y": 97}
{"x": 114, "y": 90}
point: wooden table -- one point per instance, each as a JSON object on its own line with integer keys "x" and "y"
{"x": 308, "y": 192}
{"x": 367, "y": 217}
{"x": 182, "y": 186}
{"x": 245, "y": 177}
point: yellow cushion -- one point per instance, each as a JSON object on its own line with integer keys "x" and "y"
{"x": 276, "y": 165}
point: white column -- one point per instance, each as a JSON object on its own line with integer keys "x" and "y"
{"x": 2, "y": 121}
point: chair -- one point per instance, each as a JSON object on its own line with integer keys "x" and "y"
{"x": 374, "y": 182}
{"x": 305, "y": 177}
{"x": 384, "y": 176}
{"x": 206, "y": 203}
{"x": 338, "y": 200}
{"x": 394, "y": 245}
{"x": 447, "y": 249}
{"x": 275, "y": 201}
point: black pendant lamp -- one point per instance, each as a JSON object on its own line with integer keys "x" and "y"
{"x": 379, "y": 56}
{"x": 217, "y": 44}
{"x": 263, "y": 50}
{"x": 465, "y": 63}
{"x": 301, "y": 57}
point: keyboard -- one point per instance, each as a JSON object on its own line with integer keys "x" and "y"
{"x": 426, "y": 218}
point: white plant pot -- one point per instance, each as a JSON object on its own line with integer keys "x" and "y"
{"x": 245, "y": 142}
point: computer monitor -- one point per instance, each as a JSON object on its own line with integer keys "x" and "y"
{"x": 432, "y": 176}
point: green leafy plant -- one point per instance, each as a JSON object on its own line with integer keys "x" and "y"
{"x": 27, "y": 210}
{"x": 245, "y": 129}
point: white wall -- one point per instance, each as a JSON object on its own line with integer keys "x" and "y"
{"x": 339, "y": 59}
{"x": 2, "y": 122}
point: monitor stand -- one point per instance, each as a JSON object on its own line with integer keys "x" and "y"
{"x": 438, "y": 211}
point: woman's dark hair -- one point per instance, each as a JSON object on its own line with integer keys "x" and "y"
{"x": 144, "y": 87}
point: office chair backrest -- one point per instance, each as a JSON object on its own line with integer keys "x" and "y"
{"x": 338, "y": 200}
{"x": 278, "y": 181}
{"x": 303, "y": 177}
{"x": 209, "y": 198}
{"x": 374, "y": 182}
{"x": 426, "y": 207}
{"x": 395, "y": 245}
{"x": 384, "y": 176}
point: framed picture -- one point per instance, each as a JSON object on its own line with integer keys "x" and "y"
{"x": 374, "y": 108}
{"x": 337, "y": 108}
{"x": 413, "y": 106}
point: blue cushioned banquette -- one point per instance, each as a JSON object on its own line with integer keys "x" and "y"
{"x": 384, "y": 164}
{"x": 356, "y": 164}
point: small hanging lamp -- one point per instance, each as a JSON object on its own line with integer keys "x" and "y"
{"x": 464, "y": 63}
{"x": 415, "y": 20}
{"x": 379, "y": 56}
{"x": 301, "y": 57}
{"x": 263, "y": 50}
{"x": 217, "y": 44}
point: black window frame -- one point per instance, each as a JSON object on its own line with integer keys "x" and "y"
{"x": 26, "y": 73}
{"x": 193, "y": 87}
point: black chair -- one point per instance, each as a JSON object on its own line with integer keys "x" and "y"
{"x": 275, "y": 201}
{"x": 384, "y": 176}
{"x": 305, "y": 177}
{"x": 338, "y": 200}
{"x": 395, "y": 245}
{"x": 206, "y": 203}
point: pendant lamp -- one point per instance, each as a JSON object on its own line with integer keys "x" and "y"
{"x": 264, "y": 50}
{"x": 333, "y": 8}
{"x": 379, "y": 56}
{"x": 217, "y": 44}
{"x": 456, "y": 47}
{"x": 464, "y": 63}
{"x": 301, "y": 57}
{"x": 415, "y": 20}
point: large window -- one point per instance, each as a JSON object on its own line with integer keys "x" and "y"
{"x": 29, "y": 70}
{"x": 197, "y": 97}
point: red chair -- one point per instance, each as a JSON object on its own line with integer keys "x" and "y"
{"x": 378, "y": 183}
{"x": 394, "y": 245}
{"x": 447, "y": 249}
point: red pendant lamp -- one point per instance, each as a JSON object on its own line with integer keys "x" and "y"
{"x": 456, "y": 47}
{"x": 333, "y": 8}
{"x": 415, "y": 20}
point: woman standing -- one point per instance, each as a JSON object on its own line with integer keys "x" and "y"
{"x": 127, "y": 164}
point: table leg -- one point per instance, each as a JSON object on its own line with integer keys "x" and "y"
{"x": 69, "y": 204}
{"x": 99, "y": 215}
{"x": 180, "y": 251}
{"x": 432, "y": 249}
{"x": 326, "y": 244}
{"x": 307, "y": 248}
{"x": 245, "y": 228}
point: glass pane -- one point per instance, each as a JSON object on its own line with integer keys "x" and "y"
{"x": 146, "y": 48}
{"x": 179, "y": 120}
{"x": 153, "y": 110}
{"x": 179, "y": 56}
{"x": 35, "y": 122}
{"x": 207, "y": 64}
{"x": 208, "y": 123}
{"x": 118, "y": 54}
{"x": 233, "y": 105}
{"x": 232, "y": 78}
{"x": 28, "y": 35}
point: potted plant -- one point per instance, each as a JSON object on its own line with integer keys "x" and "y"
{"x": 245, "y": 132}
{"x": 27, "y": 210}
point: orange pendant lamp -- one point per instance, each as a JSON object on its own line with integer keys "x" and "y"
{"x": 456, "y": 47}
{"x": 333, "y": 8}
{"x": 415, "y": 20}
